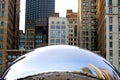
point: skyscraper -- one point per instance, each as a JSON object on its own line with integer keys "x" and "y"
{"x": 87, "y": 24}
{"x": 37, "y": 13}
{"x": 9, "y": 28}
{"x": 109, "y": 30}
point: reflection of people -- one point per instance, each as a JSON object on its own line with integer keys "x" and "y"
{"x": 60, "y": 62}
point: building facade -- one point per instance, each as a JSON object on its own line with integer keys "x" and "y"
{"x": 37, "y": 13}
{"x": 87, "y": 24}
{"x": 57, "y": 31}
{"x": 22, "y": 39}
{"x": 72, "y": 28}
{"x": 9, "y": 28}
{"x": 14, "y": 54}
{"x": 109, "y": 30}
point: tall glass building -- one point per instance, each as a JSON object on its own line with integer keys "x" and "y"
{"x": 36, "y": 22}
{"x": 37, "y": 12}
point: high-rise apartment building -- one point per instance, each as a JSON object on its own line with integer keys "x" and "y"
{"x": 109, "y": 30}
{"x": 72, "y": 26}
{"x": 9, "y": 28}
{"x": 87, "y": 24}
{"x": 37, "y": 13}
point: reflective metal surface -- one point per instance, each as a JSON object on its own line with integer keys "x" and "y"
{"x": 61, "y": 62}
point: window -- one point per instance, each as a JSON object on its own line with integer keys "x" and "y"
{"x": 118, "y": 2}
{"x": 1, "y": 46}
{"x": 2, "y": 23}
{"x": 110, "y": 36}
{"x": 2, "y": 14}
{"x": 58, "y": 41}
{"x": 110, "y": 10}
{"x": 0, "y": 54}
{"x": 57, "y": 27}
{"x": 0, "y": 69}
{"x": 52, "y": 27}
{"x": 119, "y": 19}
{"x": 110, "y": 44}
{"x": 110, "y": 2}
{"x": 63, "y": 27}
{"x": 0, "y": 61}
{"x": 52, "y": 22}
{"x": 62, "y": 41}
{"x": 110, "y": 19}
{"x": 110, "y": 53}
{"x": 63, "y": 22}
{"x": 111, "y": 60}
{"x": 3, "y": 6}
{"x": 119, "y": 28}
{"x": 58, "y": 22}
{"x": 110, "y": 27}
{"x": 118, "y": 10}
{"x": 119, "y": 62}
{"x": 119, "y": 53}
{"x": 119, "y": 44}
{"x": 52, "y": 41}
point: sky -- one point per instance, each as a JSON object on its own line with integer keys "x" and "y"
{"x": 60, "y": 6}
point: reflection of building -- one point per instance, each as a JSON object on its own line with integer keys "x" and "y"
{"x": 58, "y": 76}
{"x": 9, "y": 28}
{"x": 86, "y": 73}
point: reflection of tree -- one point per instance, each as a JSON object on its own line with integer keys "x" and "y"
{"x": 87, "y": 70}
{"x": 102, "y": 73}
{"x": 84, "y": 74}
{"x": 59, "y": 76}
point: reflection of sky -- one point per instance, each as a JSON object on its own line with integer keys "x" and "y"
{"x": 55, "y": 59}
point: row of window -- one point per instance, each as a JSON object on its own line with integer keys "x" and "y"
{"x": 111, "y": 28}
{"x": 111, "y": 10}
{"x": 111, "y": 2}
{"x": 13, "y": 57}
{"x": 58, "y": 41}
{"x": 58, "y": 36}
{"x": 111, "y": 53}
{"x": 111, "y": 19}
{"x": 57, "y": 27}
{"x": 2, "y": 6}
{"x": 58, "y": 22}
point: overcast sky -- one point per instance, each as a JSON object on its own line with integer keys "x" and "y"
{"x": 60, "y": 6}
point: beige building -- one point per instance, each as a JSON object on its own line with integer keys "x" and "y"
{"x": 102, "y": 16}
{"x": 87, "y": 24}
{"x": 72, "y": 28}
{"x": 109, "y": 30}
{"x": 9, "y": 28}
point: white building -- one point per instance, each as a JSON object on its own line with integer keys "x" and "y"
{"x": 57, "y": 31}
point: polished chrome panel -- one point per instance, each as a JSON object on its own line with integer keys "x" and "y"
{"x": 61, "y": 62}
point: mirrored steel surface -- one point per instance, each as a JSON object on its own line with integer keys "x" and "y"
{"x": 61, "y": 62}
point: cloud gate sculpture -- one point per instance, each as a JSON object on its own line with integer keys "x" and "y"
{"x": 60, "y": 62}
